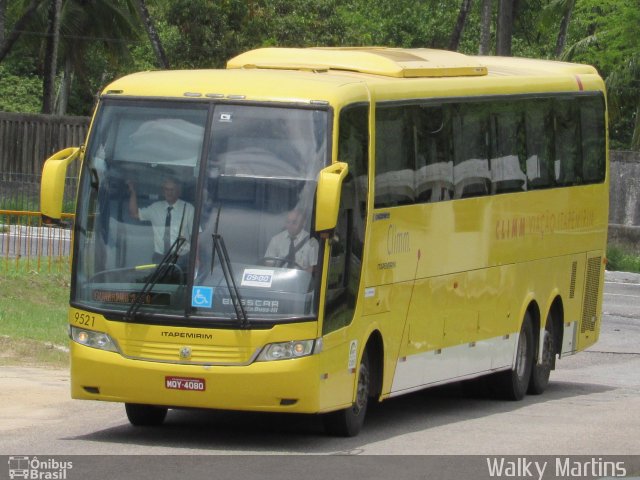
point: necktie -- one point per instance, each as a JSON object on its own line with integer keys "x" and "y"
{"x": 291, "y": 256}
{"x": 167, "y": 230}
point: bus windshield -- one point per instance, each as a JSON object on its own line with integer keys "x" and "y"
{"x": 200, "y": 210}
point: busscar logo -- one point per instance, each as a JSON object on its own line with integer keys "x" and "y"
{"x": 38, "y": 469}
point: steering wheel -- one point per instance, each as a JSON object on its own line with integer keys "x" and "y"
{"x": 281, "y": 262}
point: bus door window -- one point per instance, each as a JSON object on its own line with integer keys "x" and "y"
{"x": 347, "y": 244}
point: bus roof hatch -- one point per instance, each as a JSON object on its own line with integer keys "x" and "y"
{"x": 388, "y": 62}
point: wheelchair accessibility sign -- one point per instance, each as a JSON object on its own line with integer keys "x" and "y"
{"x": 202, "y": 297}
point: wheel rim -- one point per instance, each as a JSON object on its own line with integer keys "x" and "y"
{"x": 547, "y": 354}
{"x": 363, "y": 389}
{"x": 521, "y": 359}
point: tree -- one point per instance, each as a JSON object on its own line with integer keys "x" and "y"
{"x": 96, "y": 33}
{"x": 485, "y": 35}
{"x": 7, "y": 44}
{"x": 567, "y": 9}
{"x": 504, "y": 29}
{"x": 211, "y": 32}
{"x": 462, "y": 19}
{"x": 605, "y": 35}
{"x": 3, "y": 16}
{"x": 51, "y": 56}
{"x": 154, "y": 38}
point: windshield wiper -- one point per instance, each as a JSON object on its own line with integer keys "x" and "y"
{"x": 167, "y": 263}
{"x": 219, "y": 247}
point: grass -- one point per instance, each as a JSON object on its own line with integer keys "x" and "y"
{"x": 621, "y": 259}
{"x": 33, "y": 317}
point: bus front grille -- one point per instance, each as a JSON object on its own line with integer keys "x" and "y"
{"x": 196, "y": 354}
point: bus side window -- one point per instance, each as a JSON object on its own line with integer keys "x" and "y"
{"x": 507, "y": 173}
{"x": 434, "y": 154}
{"x": 395, "y": 166}
{"x": 539, "y": 144}
{"x": 471, "y": 166}
{"x": 593, "y": 146}
{"x": 568, "y": 167}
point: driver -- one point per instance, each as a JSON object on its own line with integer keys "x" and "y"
{"x": 293, "y": 247}
{"x": 169, "y": 218}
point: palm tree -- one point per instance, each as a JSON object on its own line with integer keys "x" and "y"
{"x": 51, "y": 56}
{"x": 154, "y": 38}
{"x": 88, "y": 29}
{"x": 28, "y": 12}
{"x": 91, "y": 26}
{"x": 82, "y": 26}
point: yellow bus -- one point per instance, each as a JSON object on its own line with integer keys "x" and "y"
{"x": 347, "y": 225}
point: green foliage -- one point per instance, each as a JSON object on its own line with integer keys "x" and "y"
{"x": 402, "y": 23}
{"x": 604, "y": 34}
{"x": 620, "y": 259}
{"x": 22, "y": 94}
{"x": 211, "y": 32}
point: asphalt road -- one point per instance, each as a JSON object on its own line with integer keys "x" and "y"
{"x": 592, "y": 407}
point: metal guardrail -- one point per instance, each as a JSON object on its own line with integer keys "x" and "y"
{"x": 28, "y": 243}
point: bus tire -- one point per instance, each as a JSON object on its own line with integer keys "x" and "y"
{"x": 348, "y": 422}
{"x": 145, "y": 415}
{"x": 513, "y": 384}
{"x": 540, "y": 371}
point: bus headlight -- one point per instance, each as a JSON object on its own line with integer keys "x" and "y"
{"x": 287, "y": 350}
{"x": 92, "y": 339}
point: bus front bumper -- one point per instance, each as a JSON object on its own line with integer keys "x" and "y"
{"x": 276, "y": 386}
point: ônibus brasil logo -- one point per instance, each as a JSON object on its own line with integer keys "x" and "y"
{"x": 38, "y": 469}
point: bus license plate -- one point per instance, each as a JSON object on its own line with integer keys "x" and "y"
{"x": 185, "y": 383}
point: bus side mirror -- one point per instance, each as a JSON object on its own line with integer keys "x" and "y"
{"x": 328, "y": 196}
{"x": 52, "y": 185}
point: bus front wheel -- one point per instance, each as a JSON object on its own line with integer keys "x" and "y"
{"x": 348, "y": 422}
{"x": 145, "y": 415}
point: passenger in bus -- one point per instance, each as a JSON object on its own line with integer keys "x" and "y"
{"x": 293, "y": 247}
{"x": 169, "y": 218}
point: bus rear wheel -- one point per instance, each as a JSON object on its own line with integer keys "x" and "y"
{"x": 541, "y": 371}
{"x": 513, "y": 384}
{"x": 348, "y": 422}
{"x": 145, "y": 415}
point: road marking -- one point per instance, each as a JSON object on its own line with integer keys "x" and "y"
{"x": 621, "y": 283}
{"x": 622, "y": 295}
